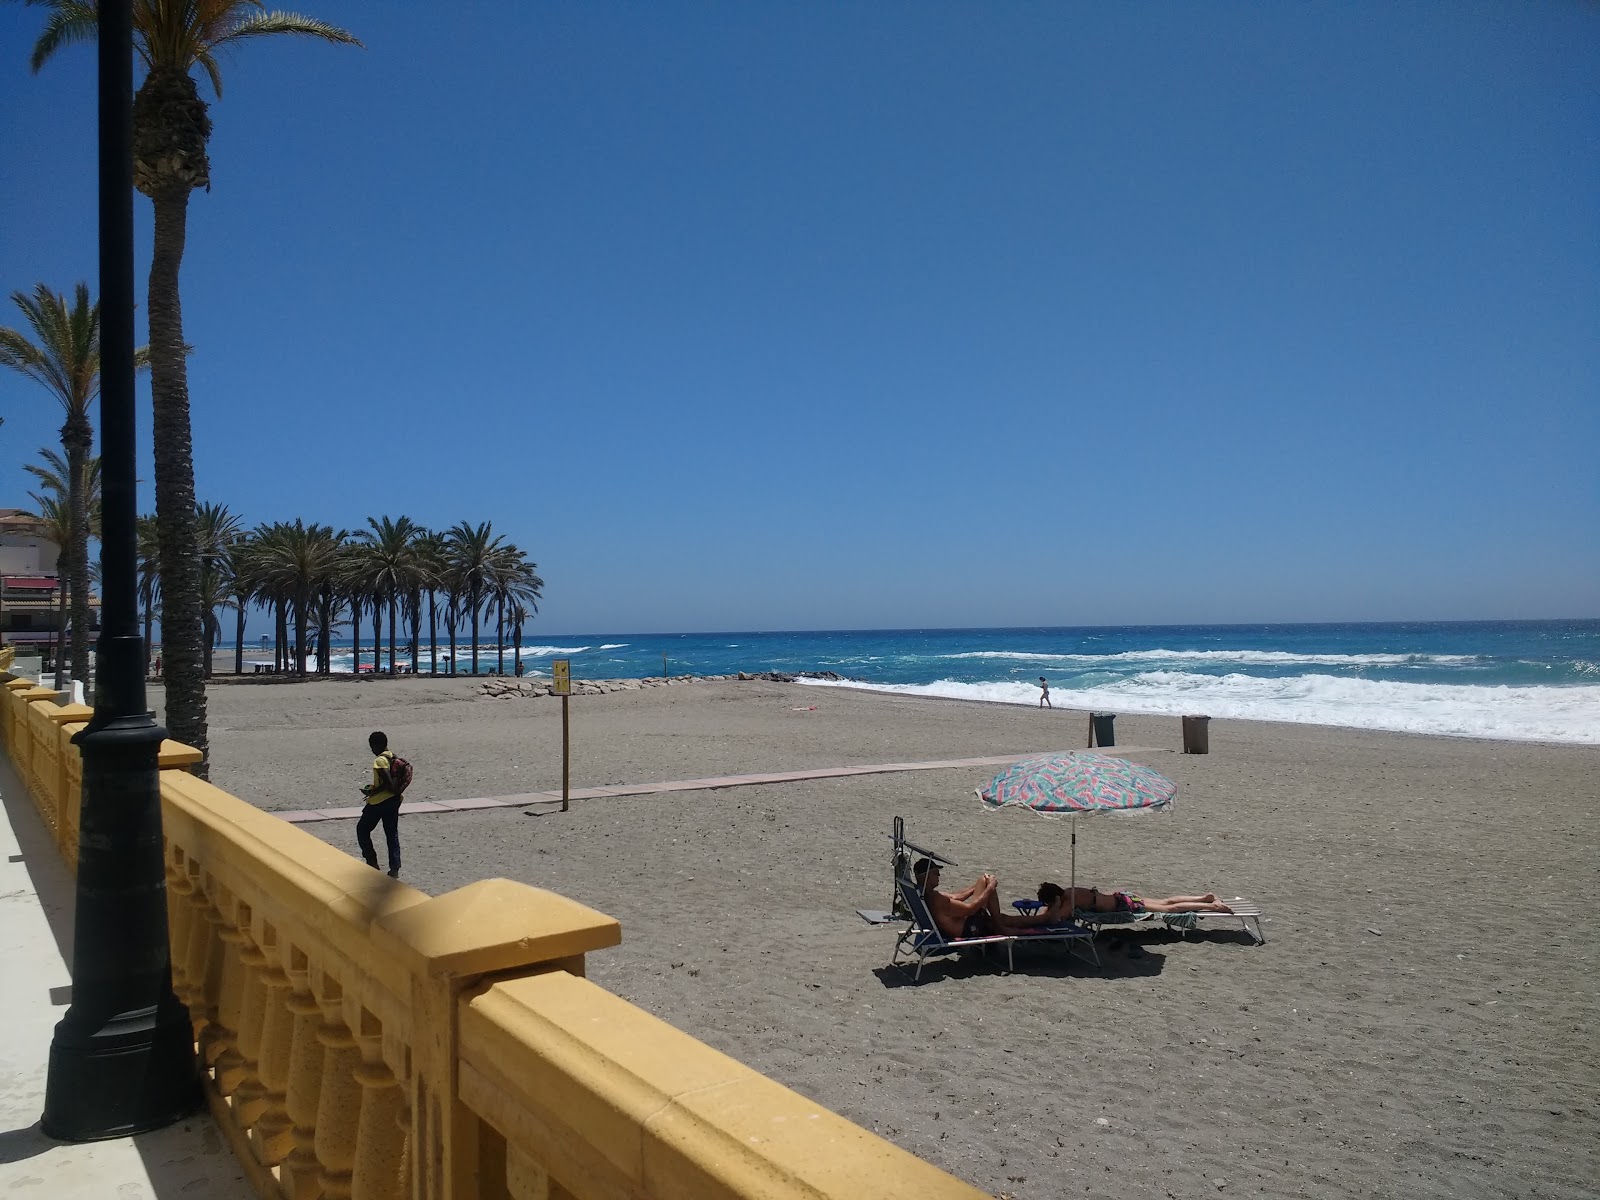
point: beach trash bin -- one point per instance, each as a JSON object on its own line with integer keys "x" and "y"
{"x": 1197, "y": 735}
{"x": 1104, "y": 734}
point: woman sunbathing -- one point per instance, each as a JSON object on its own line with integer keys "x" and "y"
{"x": 1052, "y": 896}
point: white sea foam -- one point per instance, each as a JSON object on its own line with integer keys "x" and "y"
{"x": 1540, "y": 714}
{"x": 545, "y": 651}
{"x": 616, "y": 646}
{"x": 1265, "y": 657}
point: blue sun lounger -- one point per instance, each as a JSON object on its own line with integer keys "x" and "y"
{"x": 923, "y": 940}
{"x": 1246, "y": 912}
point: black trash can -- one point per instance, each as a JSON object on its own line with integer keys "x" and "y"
{"x": 1196, "y": 735}
{"x": 1104, "y": 735}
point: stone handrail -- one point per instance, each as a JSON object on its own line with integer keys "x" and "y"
{"x": 361, "y": 1039}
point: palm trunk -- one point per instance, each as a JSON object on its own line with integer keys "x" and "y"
{"x": 182, "y": 633}
{"x": 58, "y": 653}
{"x": 355, "y": 635}
{"x": 474, "y": 600}
{"x": 394, "y": 665}
{"x": 450, "y": 618}
{"x": 433, "y": 634}
{"x": 325, "y": 636}
{"x": 238, "y": 636}
{"x": 416, "y": 628}
{"x": 281, "y": 636}
{"x": 77, "y": 437}
{"x": 377, "y": 633}
{"x": 516, "y": 665}
{"x": 302, "y": 627}
{"x": 500, "y": 634}
{"x": 149, "y": 623}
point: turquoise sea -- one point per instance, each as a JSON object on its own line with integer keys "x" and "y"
{"x": 1519, "y": 680}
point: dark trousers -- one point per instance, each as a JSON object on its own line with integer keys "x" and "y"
{"x": 387, "y": 811}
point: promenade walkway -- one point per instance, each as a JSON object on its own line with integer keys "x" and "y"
{"x": 524, "y": 799}
{"x": 186, "y": 1161}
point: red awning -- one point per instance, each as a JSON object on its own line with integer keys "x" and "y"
{"x": 29, "y": 581}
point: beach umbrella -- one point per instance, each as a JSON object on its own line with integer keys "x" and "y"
{"x": 1074, "y": 784}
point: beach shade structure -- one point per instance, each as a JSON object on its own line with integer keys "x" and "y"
{"x": 1078, "y": 784}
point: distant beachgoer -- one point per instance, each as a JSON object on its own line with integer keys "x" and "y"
{"x": 975, "y": 911}
{"x": 1054, "y": 896}
{"x": 1044, "y": 693}
{"x": 158, "y": 664}
{"x": 383, "y": 804}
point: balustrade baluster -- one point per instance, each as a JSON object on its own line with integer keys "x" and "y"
{"x": 180, "y": 890}
{"x": 270, "y": 1133}
{"x": 339, "y": 1098}
{"x": 301, "y": 1172}
{"x": 222, "y": 1052}
{"x": 249, "y": 1099}
{"x": 380, "y": 1140}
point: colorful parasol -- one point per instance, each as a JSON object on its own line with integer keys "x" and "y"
{"x": 1067, "y": 785}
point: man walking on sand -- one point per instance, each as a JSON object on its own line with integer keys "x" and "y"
{"x": 383, "y": 804}
{"x": 1044, "y": 693}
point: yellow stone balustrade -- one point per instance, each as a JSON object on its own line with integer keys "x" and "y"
{"x": 361, "y": 1040}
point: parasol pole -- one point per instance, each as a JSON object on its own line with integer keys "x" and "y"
{"x": 1072, "y": 878}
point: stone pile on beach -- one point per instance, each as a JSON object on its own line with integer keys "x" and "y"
{"x": 500, "y": 688}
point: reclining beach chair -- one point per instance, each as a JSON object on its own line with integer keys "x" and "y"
{"x": 1246, "y": 912}
{"x": 901, "y": 865}
{"x": 923, "y": 939}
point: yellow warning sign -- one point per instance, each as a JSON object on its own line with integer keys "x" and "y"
{"x": 561, "y": 677}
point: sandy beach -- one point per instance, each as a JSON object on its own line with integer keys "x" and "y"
{"x": 1420, "y": 1022}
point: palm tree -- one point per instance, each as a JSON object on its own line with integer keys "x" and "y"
{"x": 472, "y": 552}
{"x": 431, "y": 561}
{"x": 244, "y": 570}
{"x": 55, "y": 480}
{"x": 392, "y": 568}
{"x": 170, "y": 131}
{"x": 522, "y": 589}
{"x": 218, "y": 530}
{"x": 149, "y": 578}
{"x": 297, "y": 561}
{"x": 64, "y": 358}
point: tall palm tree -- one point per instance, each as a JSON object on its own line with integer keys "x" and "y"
{"x": 149, "y": 578}
{"x": 55, "y": 480}
{"x": 63, "y": 357}
{"x": 431, "y": 561}
{"x": 523, "y": 589}
{"x": 244, "y": 569}
{"x": 297, "y": 561}
{"x": 393, "y": 567}
{"x": 217, "y": 531}
{"x": 170, "y": 131}
{"x": 472, "y": 550}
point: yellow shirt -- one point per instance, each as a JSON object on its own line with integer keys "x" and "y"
{"x": 379, "y": 793}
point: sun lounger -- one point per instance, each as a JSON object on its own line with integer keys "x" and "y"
{"x": 923, "y": 939}
{"x": 1246, "y": 912}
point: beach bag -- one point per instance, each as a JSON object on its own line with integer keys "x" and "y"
{"x": 400, "y": 774}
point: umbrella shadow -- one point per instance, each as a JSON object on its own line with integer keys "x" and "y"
{"x": 1131, "y": 962}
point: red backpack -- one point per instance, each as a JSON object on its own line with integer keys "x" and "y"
{"x": 400, "y": 774}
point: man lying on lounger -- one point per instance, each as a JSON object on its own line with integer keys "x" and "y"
{"x": 1054, "y": 898}
{"x": 974, "y": 911}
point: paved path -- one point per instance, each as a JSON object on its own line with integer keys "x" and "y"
{"x": 186, "y": 1161}
{"x": 522, "y": 800}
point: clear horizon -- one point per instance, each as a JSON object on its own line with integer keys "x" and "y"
{"x": 752, "y": 318}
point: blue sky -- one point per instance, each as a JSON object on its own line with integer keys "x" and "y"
{"x": 763, "y": 316}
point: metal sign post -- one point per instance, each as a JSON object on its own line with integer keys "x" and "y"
{"x": 561, "y": 685}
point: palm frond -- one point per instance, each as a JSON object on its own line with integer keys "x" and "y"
{"x": 68, "y": 24}
{"x": 269, "y": 23}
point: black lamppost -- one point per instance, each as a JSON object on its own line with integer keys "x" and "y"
{"x": 123, "y": 1057}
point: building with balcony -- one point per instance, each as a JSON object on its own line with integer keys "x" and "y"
{"x": 30, "y": 582}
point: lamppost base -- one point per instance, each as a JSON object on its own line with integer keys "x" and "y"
{"x": 134, "y": 1073}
